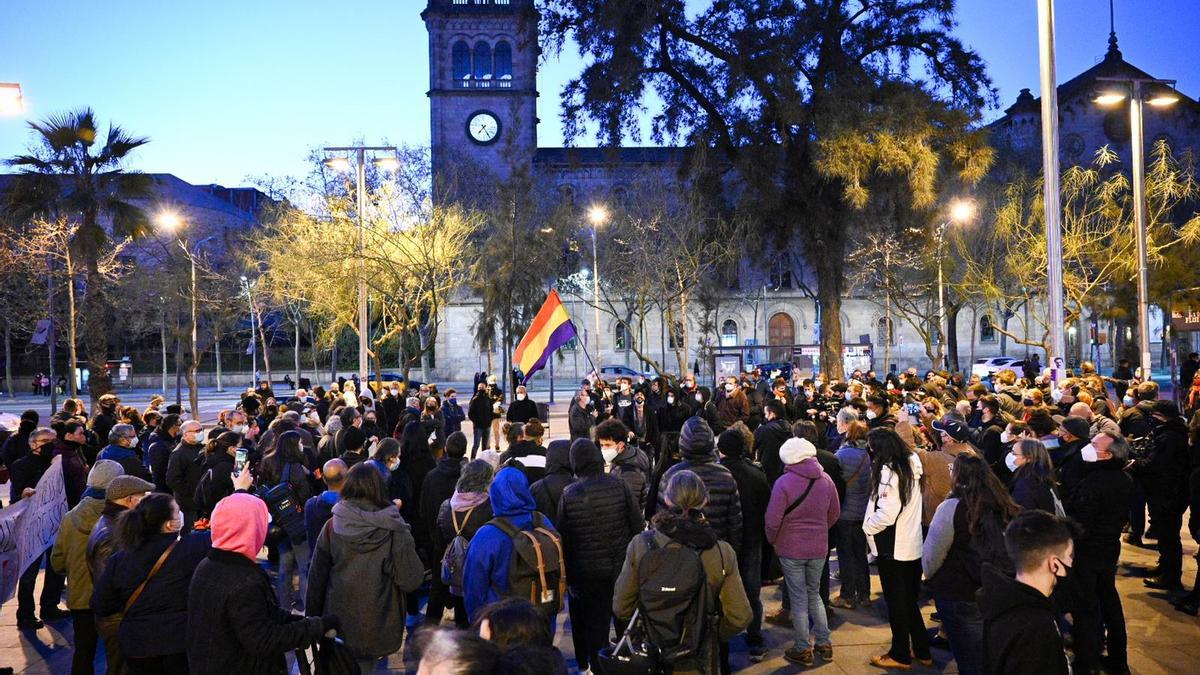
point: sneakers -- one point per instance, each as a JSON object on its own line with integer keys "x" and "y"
{"x": 757, "y": 653}
{"x": 800, "y": 657}
{"x": 825, "y": 652}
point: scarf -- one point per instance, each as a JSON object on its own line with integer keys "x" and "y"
{"x": 462, "y": 501}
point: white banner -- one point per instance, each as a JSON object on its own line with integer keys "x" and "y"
{"x": 29, "y": 527}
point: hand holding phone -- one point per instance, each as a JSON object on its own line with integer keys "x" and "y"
{"x": 239, "y": 461}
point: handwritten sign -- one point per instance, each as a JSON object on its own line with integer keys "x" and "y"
{"x": 29, "y": 527}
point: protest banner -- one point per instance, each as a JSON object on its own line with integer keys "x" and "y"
{"x": 29, "y": 527}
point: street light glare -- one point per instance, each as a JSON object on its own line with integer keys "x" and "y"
{"x": 962, "y": 210}
{"x": 1109, "y": 98}
{"x": 597, "y": 215}
{"x": 11, "y": 102}
{"x": 338, "y": 163}
{"x": 386, "y": 163}
{"x": 169, "y": 221}
{"x": 1163, "y": 99}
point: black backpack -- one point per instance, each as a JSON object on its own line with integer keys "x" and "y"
{"x": 676, "y": 608}
{"x": 287, "y": 513}
{"x": 986, "y": 546}
{"x": 537, "y": 570}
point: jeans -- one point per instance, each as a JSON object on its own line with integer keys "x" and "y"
{"x": 590, "y": 609}
{"x": 1096, "y": 608}
{"x": 963, "y": 623}
{"x": 482, "y": 434}
{"x": 901, "y": 581}
{"x": 750, "y": 567}
{"x": 852, "y": 561}
{"x": 293, "y": 560}
{"x": 52, "y": 588}
{"x": 1167, "y": 520}
{"x": 86, "y": 639}
{"x": 804, "y": 587}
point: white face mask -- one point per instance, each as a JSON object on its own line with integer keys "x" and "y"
{"x": 609, "y": 454}
{"x": 133, "y": 442}
{"x": 871, "y": 414}
{"x": 670, "y": 400}
{"x": 1010, "y": 460}
{"x": 520, "y": 397}
{"x": 1005, "y": 437}
{"x": 178, "y": 522}
{"x": 240, "y": 429}
{"x": 1056, "y": 394}
{"x": 1128, "y": 401}
{"x": 624, "y": 387}
{"x": 729, "y": 388}
{"x": 1088, "y": 453}
{"x": 849, "y": 396}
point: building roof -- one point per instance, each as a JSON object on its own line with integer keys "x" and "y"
{"x": 609, "y": 156}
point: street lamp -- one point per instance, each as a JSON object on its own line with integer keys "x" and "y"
{"x": 253, "y": 335}
{"x": 961, "y": 211}
{"x": 11, "y": 101}
{"x": 1051, "y": 198}
{"x": 340, "y": 163}
{"x": 172, "y": 223}
{"x": 1160, "y": 94}
{"x": 597, "y": 215}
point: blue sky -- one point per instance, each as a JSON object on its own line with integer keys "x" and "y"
{"x": 228, "y": 89}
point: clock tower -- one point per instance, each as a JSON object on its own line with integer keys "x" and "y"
{"x": 482, "y": 88}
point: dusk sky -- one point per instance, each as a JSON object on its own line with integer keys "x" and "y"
{"x": 228, "y": 89}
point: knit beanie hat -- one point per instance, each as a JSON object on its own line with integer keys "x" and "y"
{"x": 239, "y": 524}
{"x": 103, "y": 472}
{"x": 731, "y": 443}
{"x": 795, "y": 450}
{"x": 696, "y": 437}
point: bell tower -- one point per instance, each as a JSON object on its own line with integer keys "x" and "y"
{"x": 482, "y": 88}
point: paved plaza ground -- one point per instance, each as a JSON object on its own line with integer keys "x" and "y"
{"x": 1162, "y": 640}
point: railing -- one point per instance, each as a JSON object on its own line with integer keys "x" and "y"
{"x": 505, "y": 82}
{"x": 481, "y": 2}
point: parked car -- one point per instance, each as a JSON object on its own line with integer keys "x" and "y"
{"x": 985, "y": 368}
{"x": 612, "y": 372}
{"x": 772, "y": 370}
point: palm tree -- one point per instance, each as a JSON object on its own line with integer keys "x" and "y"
{"x": 68, "y": 174}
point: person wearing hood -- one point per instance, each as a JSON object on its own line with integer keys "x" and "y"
{"x": 683, "y": 521}
{"x": 671, "y": 414}
{"x": 158, "y": 450}
{"x": 1019, "y": 630}
{"x": 597, "y": 516}
{"x": 122, "y": 439}
{"x": 893, "y": 527}
{"x": 485, "y": 576}
{"x": 770, "y": 436}
{"x": 69, "y": 558}
{"x": 1163, "y": 474}
{"x": 803, "y": 507}
{"x": 754, "y": 492}
{"x": 1098, "y": 503}
{"x": 723, "y": 508}
{"x": 234, "y": 621}
{"x": 623, "y": 459}
{"x": 152, "y": 630}
{"x": 547, "y": 491}
{"x": 72, "y": 446}
{"x": 185, "y": 468}
{"x": 467, "y": 510}
{"x": 366, "y": 535}
{"x": 438, "y": 487}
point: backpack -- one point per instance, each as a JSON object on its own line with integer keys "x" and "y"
{"x": 674, "y": 602}
{"x": 454, "y": 561}
{"x": 986, "y": 546}
{"x": 537, "y": 570}
{"x": 287, "y": 513}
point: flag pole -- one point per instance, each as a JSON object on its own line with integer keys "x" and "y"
{"x": 589, "y": 356}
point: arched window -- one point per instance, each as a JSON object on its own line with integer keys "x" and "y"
{"x": 620, "y": 195}
{"x": 483, "y": 60}
{"x": 503, "y": 58}
{"x": 729, "y": 333}
{"x": 885, "y": 331}
{"x": 621, "y": 337}
{"x": 461, "y": 57}
{"x": 987, "y": 332}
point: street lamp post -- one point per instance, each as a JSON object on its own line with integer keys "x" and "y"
{"x": 253, "y": 334}
{"x": 1053, "y": 210}
{"x": 597, "y": 216}
{"x": 960, "y": 212}
{"x": 342, "y": 164}
{"x": 1160, "y": 94}
{"x": 172, "y": 223}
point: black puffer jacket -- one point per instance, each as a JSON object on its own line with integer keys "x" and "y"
{"x": 212, "y": 488}
{"x": 438, "y": 487}
{"x": 755, "y": 492}
{"x": 768, "y": 438}
{"x": 597, "y": 517}
{"x": 1098, "y": 503}
{"x": 547, "y": 491}
{"x": 530, "y": 457}
{"x": 633, "y": 467}
{"x": 1163, "y": 472}
{"x": 724, "y": 509}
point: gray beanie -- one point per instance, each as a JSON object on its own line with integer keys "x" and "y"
{"x": 103, "y": 472}
{"x": 696, "y": 438}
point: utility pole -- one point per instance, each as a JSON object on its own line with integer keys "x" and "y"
{"x": 1050, "y": 175}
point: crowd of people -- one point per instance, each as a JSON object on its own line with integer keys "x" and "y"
{"x": 656, "y": 525}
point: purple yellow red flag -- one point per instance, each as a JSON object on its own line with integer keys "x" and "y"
{"x": 551, "y": 329}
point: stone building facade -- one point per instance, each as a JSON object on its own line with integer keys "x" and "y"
{"x": 483, "y": 57}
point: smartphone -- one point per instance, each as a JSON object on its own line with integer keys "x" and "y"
{"x": 913, "y": 409}
{"x": 239, "y": 461}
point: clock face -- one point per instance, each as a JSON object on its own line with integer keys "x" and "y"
{"x": 483, "y": 127}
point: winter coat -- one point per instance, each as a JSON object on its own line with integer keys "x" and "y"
{"x": 935, "y": 466}
{"x": 25, "y": 473}
{"x": 1135, "y": 422}
{"x": 445, "y": 523}
{"x": 1019, "y": 633}
{"x": 547, "y": 491}
{"x": 947, "y": 551}
{"x": 724, "y": 508}
{"x": 768, "y": 438}
{"x": 218, "y": 486}
{"x": 365, "y": 557}
{"x": 69, "y": 555}
{"x": 720, "y": 569}
{"x": 1030, "y": 491}
{"x": 1163, "y": 472}
{"x": 579, "y": 420}
{"x": 129, "y": 460}
{"x": 1069, "y": 467}
{"x": 75, "y": 470}
{"x": 597, "y": 516}
{"x": 452, "y": 416}
{"x": 100, "y": 544}
{"x": 530, "y": 456}
{"x": 303, "y": 483}
{"x": 158, "y": 453}
{"x": 479, "y": 410}
{"x": 804, "y": 533}
{"x": 183, "y": 475}
{"x": 649, "y": 431}
{"x": 438, "y": 487}
{"x": 755, "y": 492}
{"x": 894, "y": 530}
{"x": 732, "y": 408}
{"x": 1098, "y": 503}
{"x": 317, "y": 510}
{"x": 485, "y": 576}
{"x": 855, "y": 463}
{"x": 156, "y": 624}
{"x": 234, "y": 622}
{"x": 670, "y": 418}
{"x": 633, "y": 467}
{"x": 522, "y": 411}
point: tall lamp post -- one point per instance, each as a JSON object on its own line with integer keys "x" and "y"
{"x": 339, "y": 163}
{"x": 1159, "y": 94}
{"x": 597, "y": 215}
{"x": 1053, "y": 210}
{"x": 961, "y": 211}
{"x": 171, "y": 223}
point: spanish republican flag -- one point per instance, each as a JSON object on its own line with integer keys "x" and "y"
{"x": 551, "y": 329}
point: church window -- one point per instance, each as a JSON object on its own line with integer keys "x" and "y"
{"x": 729, "y": 333}
{"x": 461, "y": 56}
{"x": 621, "y": 337}
{"x": 503, "y": 59}
{"x": 885, "y": 331}
{"x": 987, "y": 332}
{"x": 676, "y": 336}
{"x": 483, "y": 61}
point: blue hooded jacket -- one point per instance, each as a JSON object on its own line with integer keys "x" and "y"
{"x": 485, "y": 577}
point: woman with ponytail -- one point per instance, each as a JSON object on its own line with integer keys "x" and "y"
{"x": 145, "y": 585}
{"x": 683, "y": 522}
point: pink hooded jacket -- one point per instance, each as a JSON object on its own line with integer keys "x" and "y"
{"x": 239, "y": 524}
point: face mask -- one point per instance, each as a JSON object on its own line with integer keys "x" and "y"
{"x": 202, "y": 436}
{"x": 240, "y": 429}
{"x": 871, "y": 414}
{"x": 1088, "y": 453}
{"x": 808, "y": 393}
{"x": 453, "y": 400}
{"x": 1128, "y": 401}
{"x": 396, "y": 393}
{"x": 670, "y": 400}
{"x": 1028, "y": 403}
{"x": 609, "y": 454}
{"x": 1005, "y": 437}
{"x": 133, "y": 442}
{"x": 729, "y": 388}
{"x": 177, "y": 523}
{"x": 624, "y": 387}
{"x": 640, "y": 401}
{"x": 1010, "y": 460}
{"x": 520, "y": 397}
{"x": 849, "y": 396}
{"x": 393, "y": 465}
{"x": 1066, "y": 572}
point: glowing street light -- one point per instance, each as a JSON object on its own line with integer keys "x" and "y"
{"x": 11, "y": 101}
{"x": 961, "y": 211}
{"x": 597, "y": 215}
